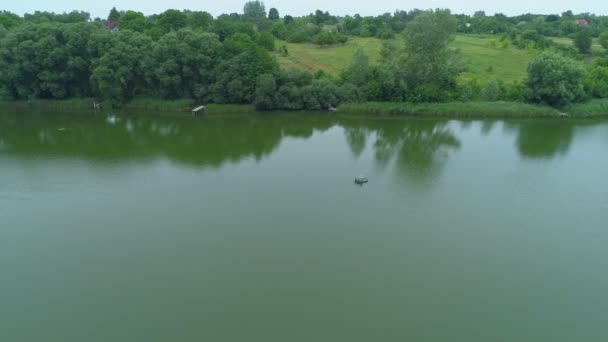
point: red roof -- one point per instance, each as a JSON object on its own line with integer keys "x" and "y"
{"x": 582, "y": 22}
{"x": 111, "y": 24}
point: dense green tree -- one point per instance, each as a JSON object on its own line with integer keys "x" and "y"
{"x": 3, "y": 32}
{"x": 114, "y": 14}
{"x": 265, "y": 92}
{"x": 603, "y": 40}
{"x": 237, "y": 74}
{"x": 200, "y": 20}
{"x": 583, "y": 40}
{"x": 554, "y": 80}
{"x": 225, "y": 27}
{"x": 172, "y": 20}
{"x": 596, "y": 79}
{"x": 119, "y": 73}
{"x": 9, "y": 20}
{"x": 273, "y": 14}
{"x": 320, "y": 17}
{"x": 134, "y": 21}
{"x": 289, "y": 92}
{"x": 48, "y": 60}
{"x": 428, "y": 60}
{"x": 358, "y": 71}
{"x": 326, "y": 38}
{"x": 254, "y": 10}
{"x": 181, "y": 63}
{"x": 46, "y": 17}
{"x": 491, "y": 92}
{"x": 470, "y": 91}
{"x": 266, "y": 40}
{"x": 288, "y": 19}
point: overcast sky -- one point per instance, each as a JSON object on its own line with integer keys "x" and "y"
{"x": 100, "y": 8}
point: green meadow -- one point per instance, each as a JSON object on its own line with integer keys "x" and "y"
{"x": 486, "y": 57}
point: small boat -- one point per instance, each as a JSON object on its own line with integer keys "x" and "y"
{"x": 361, "y": 179}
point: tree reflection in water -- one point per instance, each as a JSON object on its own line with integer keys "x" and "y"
{"x": 419, "y": 148}
{"x": 545, "y": 139}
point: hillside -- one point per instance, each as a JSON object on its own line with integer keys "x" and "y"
{"x": 485, "y": 56}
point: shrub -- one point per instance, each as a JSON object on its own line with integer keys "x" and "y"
{"x": 583, "y": 40}
{"x": 604, "y": 40}
{"x": 596, "y": 80}
{"x": 470, "y": 91}
{"x": 554, "y": 80}
{"x": 491, "y": 92}
{"x": 266, "y": 40}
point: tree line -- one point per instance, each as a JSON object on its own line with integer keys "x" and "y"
{"x": 189, "y": 54}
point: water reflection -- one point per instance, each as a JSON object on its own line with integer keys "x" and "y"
{"x": 418, "y": 148}
{"x": 543, "y": 139}
{"x": 208, "y": 142}
{"x": 414, "y": 150}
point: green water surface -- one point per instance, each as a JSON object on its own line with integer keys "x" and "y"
{"x": 250, "y": 228}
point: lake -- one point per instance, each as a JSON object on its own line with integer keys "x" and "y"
{"x": 250, "y": 228}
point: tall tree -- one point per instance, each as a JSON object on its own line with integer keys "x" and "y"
{"x": 172, "y": 20}
{"x": 273, "y": 14}
{"x": 428, "y": 58}
{"x": 254, "y": 10}
{"x": 554, "y": 80}
{"x": 200, "y": 20}
{"x": 604, "y": 39}
{"x": 182, "y": 63}
{"x": 358, "y": 71}
{"x": 114, "y": 14}
{"x": 583, "y": 40}
{"x": 134, "y": 21}
{"x": 9, "y": 20}
{"x": 119, "y": 73}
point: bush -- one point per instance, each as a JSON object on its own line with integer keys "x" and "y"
{"x": 554, "y": 80}
{"x": 515, "y": 92}
{"x": 470, "y": 91}
{"x": 326, "y": 38}
{"x": 604, "y": 40}
{"x": 583, "y": 40}
{"x": 265, "y": 92}
{"x": 427, "y": 93}
{"x": 596, "y": 80}
{"x": 492, "y": 91}
{"x": 266, "y": 40}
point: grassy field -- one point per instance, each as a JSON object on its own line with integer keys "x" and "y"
{"x": 486, "y": 57}
{"x": 329, "y": 59}
{"x": 595, "y": 48}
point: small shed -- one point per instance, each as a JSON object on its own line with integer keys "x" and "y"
{"x": 582, "y": 22}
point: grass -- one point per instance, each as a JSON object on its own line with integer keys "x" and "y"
{"x": 500, "y": 109}
{"x": 485, "y": 57}
{"x": 593, "y": 108}
{"x": 332, "y": 59}
{"x": 596, "y": 48}
{"x": 478, "y": 109}
{"x": 68, "y": 104}
{"x": 140, "y": 104}
{"x": 452, "y": 109}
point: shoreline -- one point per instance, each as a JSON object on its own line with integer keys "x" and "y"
{"x": 465, "y": 110}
